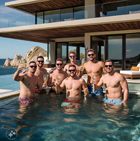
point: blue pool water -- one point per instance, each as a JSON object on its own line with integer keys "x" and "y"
{"x": 91, "y": 120}
{"x": 7, "y": 82}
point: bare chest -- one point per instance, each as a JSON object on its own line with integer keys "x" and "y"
{"x": 112, "y": 82}
{"x": 74, "y": 84}
{"x": 93, "y": 68}
{"x": 29, "y": 82}
{"x": 58, "y": 76}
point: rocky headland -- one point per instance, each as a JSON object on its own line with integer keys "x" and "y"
{"x": 31, "y": 55}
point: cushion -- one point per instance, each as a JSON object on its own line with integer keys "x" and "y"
{"x": 130, "y": 72}
{"x": 138, "y": 66}
{"x": 135, "y": 68}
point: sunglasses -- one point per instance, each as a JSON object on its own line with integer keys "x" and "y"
{"x": 59, "y": 64}
{"x": 72, "y": 56}
{"x": 108, "y": 66}
{"x": 90, "y": 54}
{"x": 71, "y": 70}
{"x": 41, "y": 61}
{"x": 33, "y": 66}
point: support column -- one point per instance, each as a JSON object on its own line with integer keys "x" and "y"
{"x": 87, "y": 44}
{"x": 90, "y": 9}
{"x": 52, "y": 52}
{"x": 106, "y": 47}
{"x": 124, "y": 52}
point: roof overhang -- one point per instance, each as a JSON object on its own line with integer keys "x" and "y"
{"x": 33, "y": 6}
{"x": 77, "y": 28}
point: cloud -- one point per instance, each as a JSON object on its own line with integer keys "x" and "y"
{"x": 7, "y": 10}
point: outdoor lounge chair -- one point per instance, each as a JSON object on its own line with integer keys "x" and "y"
{"x": 133, "y": 73}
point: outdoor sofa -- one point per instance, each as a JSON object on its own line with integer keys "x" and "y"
{"x": 133, "y": 73}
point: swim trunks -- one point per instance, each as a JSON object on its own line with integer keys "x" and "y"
{"x": 113, "y": 101}
{"x": 90, "y": 89}
{"x": 26, "y": 101}
{"x": 40, "y": 92}
{"x": 68, "y": 101}
{"x": 52, "y": 91}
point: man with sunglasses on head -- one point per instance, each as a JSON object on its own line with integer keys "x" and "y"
{"x": 114, "y": 83}
{"x": 79, "y": 68}
{"x": 74, "y": 86}
{"x": 40, "y": 72}
{"x": 57, "y": 74}
{"x": 94, "y": 69}
{"x": 28, "y": 82}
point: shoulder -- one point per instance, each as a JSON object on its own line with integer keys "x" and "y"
{"x": 53, "y": 73}
{"x": 101, "y": 63}
{"x": 66, "y": 66}
{"x": 119, "y": 76}
{"x": 65, "y": 73}
{"x": 66, "y": 79}
{"x": 82, "y": 80}
{"x": 78, "y": 64}
{"x": 44, "y": 70}
{"x": 85, "y": 64}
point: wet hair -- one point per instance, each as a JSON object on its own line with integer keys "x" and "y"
{"x": 40, "y": 57}
{"x": 72, "y": 66}
{"x": 59, "y": 59}
{"x": 108, "y": 60}
{"x": 32, "y": 62}
{"x": 72, "y": 52}
{"x": 89, "y": 50}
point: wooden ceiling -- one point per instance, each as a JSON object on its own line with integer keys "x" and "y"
{"x": 53, "y": 4}
{"x": 48, "y": 5}
{"x": 46, "y": 35}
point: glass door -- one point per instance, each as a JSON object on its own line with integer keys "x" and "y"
{"x": 115, "y": 50}
{"x": 61, "y": 51}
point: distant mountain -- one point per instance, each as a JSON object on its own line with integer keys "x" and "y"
{"x": 31, "y": 55}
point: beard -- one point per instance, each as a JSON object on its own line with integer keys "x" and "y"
{"x": 40, "y": 66}
{"x": 73, "y": 75}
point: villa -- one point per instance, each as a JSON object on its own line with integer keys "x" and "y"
{"x": 111, "y": 27}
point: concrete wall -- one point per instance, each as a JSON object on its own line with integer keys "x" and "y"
{"x": 52, "y": 52}
{"x": 90, "y": 9}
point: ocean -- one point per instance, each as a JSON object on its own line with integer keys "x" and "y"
{"x": 6, "y": 70}
{"x": 6, "y": 77}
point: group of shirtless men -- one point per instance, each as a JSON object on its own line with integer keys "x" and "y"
{"x": 31, "y": 81}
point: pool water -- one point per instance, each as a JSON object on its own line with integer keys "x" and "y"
{"x": 92, "y": 120}
{"x": 7, "y": 82}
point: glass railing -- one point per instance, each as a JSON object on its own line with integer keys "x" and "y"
{"x": 75, "y": 13}
{"x": 14, "y": 20}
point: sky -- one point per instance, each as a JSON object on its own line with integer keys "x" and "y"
{"x": 11, "y": 18}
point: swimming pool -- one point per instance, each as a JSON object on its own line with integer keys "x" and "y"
{"x": 89, "y": 121}
{"x": 7, "y": 82}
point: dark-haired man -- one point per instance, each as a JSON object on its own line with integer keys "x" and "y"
{"x": 28, "y": 82}
{"x": 79, "y": 68}
{"x": 57, "y": 74}
{"x": 40, "y": 72}
{"x": 94, "y": 68}
{"x": 74, "y": 85}
{"x": 114, "y": 83}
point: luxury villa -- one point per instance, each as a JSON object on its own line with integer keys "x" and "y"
{"x": 111, "y": 27}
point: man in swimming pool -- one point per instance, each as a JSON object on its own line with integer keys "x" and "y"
{"x": 114, "y": 83}
{"x": 57, "y": 74}
{"x": 79, "y": 68}
{"x": 74, "y": 85}
{"x": 94, "y": 68}
{"x": 28, "y": 82}
{"x": 40, "y": 72}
